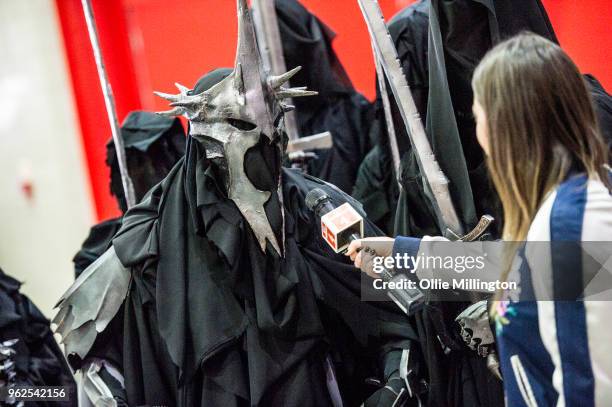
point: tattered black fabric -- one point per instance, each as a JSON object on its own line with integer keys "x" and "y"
{"x": 212, "y": 321}
{"x": 438, "y": 58}
{"x": 440, "y": 43}
{"x": 38, "y": 359}
{"x": 338, "y": 108}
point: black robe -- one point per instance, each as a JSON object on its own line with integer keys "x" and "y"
{"x": 603, "y": 108}
{"x": 338, "y": 108}
{"x": 376, "y": 184}
{"x": 210, "y": 320}
{"x": 38, "y": 359}
{"x": 438, "y": 56}
{"x": 440, "y": 84}
{"x": 445, "y": 108}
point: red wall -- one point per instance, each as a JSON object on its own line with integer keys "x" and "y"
{"x": 198, "y": 36}
{"x": 93, "y": 121}
{"x": 150, "y": 44}
{"x": 583, "y": 29}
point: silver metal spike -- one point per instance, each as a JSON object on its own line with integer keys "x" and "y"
{"x": 169, "y": 97}
{"x": 189, "y": 104}
{"x": 276, "y": 82}
{"x": 190, "y": 101}
{"x": 287, "y": 107}
{"x": 284, "y": 93}
{"x": 182, "y": 88}
{"x": 177, "y": 111}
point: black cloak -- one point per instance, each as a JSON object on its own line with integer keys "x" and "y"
{"x": 460, "y": 34}
{"x": 38, "y": 359}
{"x": 603, "y": 108}
{"x": 338, "y": 108}
{"x": 210, "y": 320}
{"x": 439, "y": 43}
{"x": 153, "y": 144}
{"x": 376, "y": 184}
{"x": 445, "y": 108}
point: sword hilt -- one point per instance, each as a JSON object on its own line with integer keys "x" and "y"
{"x": 476, "y": 233}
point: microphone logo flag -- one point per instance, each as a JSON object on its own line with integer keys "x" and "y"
{"x": 339, "y": 225}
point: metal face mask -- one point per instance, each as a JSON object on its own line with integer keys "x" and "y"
{"x": 233, "y": 116}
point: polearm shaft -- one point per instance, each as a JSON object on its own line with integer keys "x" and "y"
{"x": 435, "y": 180}
{"x": 109, "y": 101}
{"x": 268, "y": 35}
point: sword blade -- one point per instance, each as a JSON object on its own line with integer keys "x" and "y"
{"x": 271, "y": 50}
{"x": 435, "y": 179}
{"x": 395, "y": 154}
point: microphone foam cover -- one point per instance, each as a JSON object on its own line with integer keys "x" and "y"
{"x": 314, "y": 197}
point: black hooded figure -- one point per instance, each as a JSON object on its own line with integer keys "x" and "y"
{"x": 153, "y": 144}
{"x": 376, "y": 185}
{"x": 29, "y": 355}
{"x": 218, "y": 289}
{"x": 440, "y": 42}
{"x": 211, "y": 321}
{"x": 459, "y": 35}
{"x": 338, "y": 108}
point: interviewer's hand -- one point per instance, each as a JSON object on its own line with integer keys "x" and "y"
{"x": 363, "y": 251}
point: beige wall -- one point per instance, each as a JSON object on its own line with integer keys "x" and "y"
{"x": 39, "y": 140}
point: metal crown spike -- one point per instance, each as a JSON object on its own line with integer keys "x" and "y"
{"x": 182, "y": 103}
{"x": 182, "y": 88}
{"x": 177, "y": 111}
{"x": 168, "y": 96}
{"x": 276, "y": 82}
{"x": 285, "y": 93}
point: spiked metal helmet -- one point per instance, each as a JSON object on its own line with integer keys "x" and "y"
{"x": 233, "y": 115}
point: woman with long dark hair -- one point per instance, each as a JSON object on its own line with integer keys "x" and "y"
{"x": 550, "y": 167}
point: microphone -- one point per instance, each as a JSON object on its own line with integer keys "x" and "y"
{"x": 340, "y": 226}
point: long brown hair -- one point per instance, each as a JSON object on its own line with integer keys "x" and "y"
{"x": 541, "y": 124}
